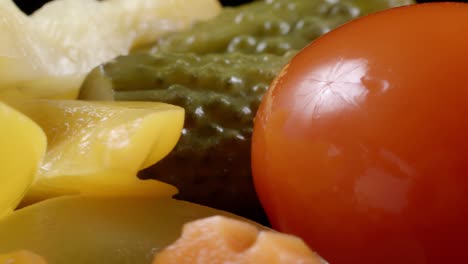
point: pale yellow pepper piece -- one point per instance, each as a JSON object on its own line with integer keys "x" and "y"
{"x": 98, "y": 147}
{"x": 21, "y": 257}
{"x": 48, "y": 54}
{"x": 22, "y": 147}
{"x": 87, "y": 229}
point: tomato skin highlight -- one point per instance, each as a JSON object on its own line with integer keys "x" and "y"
{"x": 359, "y": 145}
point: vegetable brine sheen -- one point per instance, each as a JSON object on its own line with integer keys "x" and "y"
{"x": 218, "y": 71}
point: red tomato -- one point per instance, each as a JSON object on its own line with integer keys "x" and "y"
{"x": 361, "y": 144}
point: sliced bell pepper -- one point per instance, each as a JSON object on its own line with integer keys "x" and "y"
{"x": 98, "y": 147}
{"x": 99, "y": 229}
{"x": 22, "y": 147}
{"x": 21, "y": 257}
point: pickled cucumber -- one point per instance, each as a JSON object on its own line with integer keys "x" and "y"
{"x": 220, "y": 93}
{"x": 218, "y": 71}
{"x": 269, "y": 26}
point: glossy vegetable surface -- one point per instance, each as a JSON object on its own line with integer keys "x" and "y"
{"x": 231, "y": 241}
{"x": 269, "y": 26}
{"x": 48, "y": 54}
{"x": 220, "y": 94}
{"x": 21, "y": 257}
{"x": 22, "y": 147}
{"x": 97, "y": 230}
{"x": 360, "y": 144}
{"x": 238, "y": 53}
{"x": 98, "y": 147}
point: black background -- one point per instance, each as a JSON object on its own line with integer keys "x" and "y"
{"x": 28, "y": 6}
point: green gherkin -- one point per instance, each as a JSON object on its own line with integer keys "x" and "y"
{"x": 269, "y": 26}
{"x": 220, "y": 93}
{"x": 218, "y": 71}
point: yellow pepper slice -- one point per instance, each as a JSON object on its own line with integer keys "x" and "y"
{"x": 21, "y": 257}
{"x": 102, "y": 229}
{"x": 22, "y": 147}
{"x": 98, "y": 147}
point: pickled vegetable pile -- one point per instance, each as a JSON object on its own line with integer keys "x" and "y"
{"x": 218, "y": 71}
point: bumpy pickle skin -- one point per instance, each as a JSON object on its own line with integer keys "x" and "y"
{"x": 220, "y": 94}
{"x": 270, "y": 26}
{"x": 218, "y": 240}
